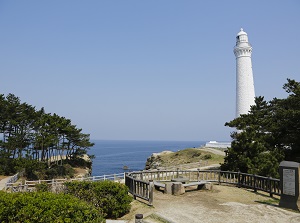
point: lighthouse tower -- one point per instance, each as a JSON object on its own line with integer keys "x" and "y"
{"x": 244, "y": 77}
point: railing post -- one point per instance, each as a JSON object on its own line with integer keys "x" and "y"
{"x": 269, "y": 186}
{"x": 151, "y": 186}
{"x": 255, "y": 183}
{"x": 177, "y": 172}
{"x": 219, "y": 177}
{"x": 139, "y": 218}
{"x": 133, "y": 188}
{"x": 239, "y": 180}
{"x": 141, "y": 176}
{"x": 198, "y": 175}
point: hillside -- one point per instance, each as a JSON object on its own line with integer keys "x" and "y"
{"x": 167, "y": 159}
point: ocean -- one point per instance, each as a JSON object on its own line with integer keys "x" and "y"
{"x": 112, "y": 155}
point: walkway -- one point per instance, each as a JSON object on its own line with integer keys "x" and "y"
{"x": 215, "y": 151}
{"x": 222, "y": 204}
{"x": 3, "y": 182}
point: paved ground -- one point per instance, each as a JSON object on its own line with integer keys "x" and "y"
{"x": 222, "y": 204}
{"x": 3, "y": 182}
{"x": 215, "y": 151}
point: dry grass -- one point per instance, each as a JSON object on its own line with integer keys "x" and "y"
{"x": 191, "y": 155}
{"x": 2, "y": 177}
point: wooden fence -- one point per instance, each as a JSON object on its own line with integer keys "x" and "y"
{"x": 141, "y": 184}
{"x": 140, "y": 188}
{"x": 138, "y": 181}
{"x": 30, "y": 185}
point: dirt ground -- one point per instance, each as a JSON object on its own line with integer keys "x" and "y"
{"x": 222, "y": 204}
{"x": 2, "y": 177}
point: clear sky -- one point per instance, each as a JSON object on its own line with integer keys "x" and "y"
{"x": 144, "y": 70}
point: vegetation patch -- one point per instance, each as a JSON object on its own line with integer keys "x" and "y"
{"x": 190, "y": 155}
{"x": 46, "y": 207}
{"x": 44, "y": 145}
{"x": 267, "y": 135}
{"x": 110, "y": 197}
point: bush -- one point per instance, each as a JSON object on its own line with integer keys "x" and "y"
{"x": 111, "y": 197}
{"x": 46, "y": 207}
{"x": 206, "y": 156}
{"x": 42, "y": 187}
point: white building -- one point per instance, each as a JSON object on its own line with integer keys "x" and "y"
{"x": 245, "y": 94}
{"x": 215, "y": 144}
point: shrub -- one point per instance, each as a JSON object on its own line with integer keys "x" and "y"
{"x": 42, "y": 187}
{"x": 111, "y": 197}
{"x": 206, "y": 156}
{"x": 46, "y": 207}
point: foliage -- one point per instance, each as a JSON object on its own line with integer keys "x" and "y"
{"x": 265, "y": 136}
{"x": 43, "y": 187}
{"x": 30, "y": 136}
{"x": 206, "y": 157}
{"x": 46, "y": 207}
{"x": 111, "y": 197}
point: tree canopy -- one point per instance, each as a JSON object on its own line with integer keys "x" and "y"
{"x": 31, "y": 134}
{"x": 268, "y": 134}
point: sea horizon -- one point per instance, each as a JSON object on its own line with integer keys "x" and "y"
{"x": 112, "y": 155}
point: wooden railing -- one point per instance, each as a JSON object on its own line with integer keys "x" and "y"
{"x": 185, "y": 166}
{"x": 136, "y": 181}
{"x": 140, "y": 188}
{"x": 30, "y": 185}
{"x": 14, "y": 179}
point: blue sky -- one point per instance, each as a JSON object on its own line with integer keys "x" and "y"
{"x": 144, "y": 70}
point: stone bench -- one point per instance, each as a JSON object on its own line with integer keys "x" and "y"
{"x": 177, "y": 188}
{"x": 200, "y": 185}
{"x": 158, "y": 185}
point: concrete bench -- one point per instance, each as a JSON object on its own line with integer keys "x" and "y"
{"x": 199, "y": 184}
{"x": 158, "y": 184}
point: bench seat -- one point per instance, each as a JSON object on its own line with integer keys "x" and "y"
{"x": 158, "y": 184}
{"x": 202, "y": 182}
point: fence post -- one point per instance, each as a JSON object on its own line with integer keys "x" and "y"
{"x": 151, "y": 186}
{"x": 219, "y": 177}
{"x": 141, "y": 176}
{"x": 239, "y": 180}
{"x": 255, "y": 183}
{"x": 133, "y": 188}
{"x": 139, "y": 218}
{"x": 177, "y": 172}
{"x": 198, "y": 175}
{"x": 269, "y": 186}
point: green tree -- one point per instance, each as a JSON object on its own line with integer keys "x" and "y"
{"x": 265, "y": 136}
{"x": 28, "y": 134}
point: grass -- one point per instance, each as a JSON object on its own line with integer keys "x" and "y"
{"x": 157, "y": 218}
{"x": 270, "y": 201}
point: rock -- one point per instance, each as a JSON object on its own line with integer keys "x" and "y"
{"x": 154, "y": 161}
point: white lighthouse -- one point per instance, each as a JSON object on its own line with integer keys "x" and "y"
{"x": 244, "y": 76}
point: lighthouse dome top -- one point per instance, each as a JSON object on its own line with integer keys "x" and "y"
{"x": 241, "y": 32}
{"x": 241, "y": 38}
